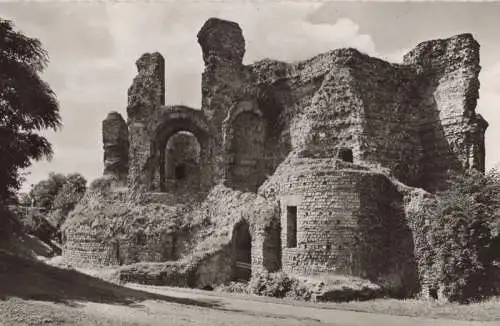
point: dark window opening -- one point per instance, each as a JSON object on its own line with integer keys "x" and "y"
{"x": 180, "y": 172}
{"x": 433, "y": 293}
{"x": 291, "y": 226}
{"x": 345, "y": 154}
{"x": 140, "y": 239}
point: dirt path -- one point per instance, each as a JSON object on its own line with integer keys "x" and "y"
{"x": 214, "y": 309}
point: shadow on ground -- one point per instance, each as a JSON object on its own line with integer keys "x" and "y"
{"x": 33, "y": 280}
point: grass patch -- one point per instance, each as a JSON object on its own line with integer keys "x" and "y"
{"x": 488, "y": 310}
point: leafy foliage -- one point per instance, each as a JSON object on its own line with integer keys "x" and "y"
{"x": 462, "y": 236}
{"x": 34, "y": 222}
{"x": 27, "y": 105}
{"x": 51, "y": 200}
{"x": 70, "y": 193}
{"x": 45, "y": 191}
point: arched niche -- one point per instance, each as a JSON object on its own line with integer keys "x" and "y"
{"x": 244, "y": 131}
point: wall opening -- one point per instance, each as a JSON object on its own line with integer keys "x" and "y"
{"x": 433, "y": 293}
{"x": 291, "y": 226}
{"x": 180, "y": 172}
{"x": 242, "y": 252}
{"x": 180, "y": 167}
{"x": 345, "y": 154}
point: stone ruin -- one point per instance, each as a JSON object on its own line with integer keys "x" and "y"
{"x": 342, "y": 145}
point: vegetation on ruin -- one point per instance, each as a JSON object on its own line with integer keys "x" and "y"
{"x": 462, "y": 247}
{"x": 43, "y": 210}
{"x": 331, "y": 288}
{"x": 27, "y": 106}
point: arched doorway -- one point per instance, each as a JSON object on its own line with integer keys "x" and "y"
{"x": 182, "y": 162}
{"x": 242, "y": 252}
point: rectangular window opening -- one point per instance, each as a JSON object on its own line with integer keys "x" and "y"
{"x": 291, "y": 226}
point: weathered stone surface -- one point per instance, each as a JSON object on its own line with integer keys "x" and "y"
{"x": 221, "y": 39}
{"x": 452, "y": 134}
{"x": 148, "y": 88}
{"x": 116, "y": 145}
{"x": 322, "y": 159}
{"x": 146, "y": 94}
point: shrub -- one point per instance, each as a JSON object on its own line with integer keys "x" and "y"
{"x": 271, "y": 284}
{"x": 34, "y": 222}
{"x": 461, "y": 239}
{"x": 44, "y": 192}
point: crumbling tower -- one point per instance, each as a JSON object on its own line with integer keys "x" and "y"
{"x": 145, "y": 96}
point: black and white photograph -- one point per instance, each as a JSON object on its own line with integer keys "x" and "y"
{"x": 249, "y": 162}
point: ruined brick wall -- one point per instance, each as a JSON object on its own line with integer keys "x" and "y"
{"x": 145, "y": 95}
{"x": 448, "y": 87}
{"x": 388, "y": 135}
{"x": 116, "y": 146}
{"x": 84, "y": 247}
{"x": 288, "y": 131}
{"x": 348, "y": 221}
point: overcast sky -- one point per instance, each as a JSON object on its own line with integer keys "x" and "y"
{"x": 93, "y": 48}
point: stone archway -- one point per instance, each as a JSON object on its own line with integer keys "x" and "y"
{"x": 242, "y": 252}
{"x": 172, "y": 122}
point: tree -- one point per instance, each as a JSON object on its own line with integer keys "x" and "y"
{"x": 67, "y": 197}
{"x": 27, "y": 106}
{"x": 45, "y": 191}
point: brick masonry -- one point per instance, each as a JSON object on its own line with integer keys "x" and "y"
{"x": 337, "y": 136}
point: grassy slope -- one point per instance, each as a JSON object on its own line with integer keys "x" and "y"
{"x": 32, "y": 292}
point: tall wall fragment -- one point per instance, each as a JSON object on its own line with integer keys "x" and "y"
{"x": 452, "y": 133}
{"x": 146, "y": 95}
{"x": 116, "y": 145}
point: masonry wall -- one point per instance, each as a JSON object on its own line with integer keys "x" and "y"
{"x": 349, "y": 221}
{"x": 388, "y": 135}
{"x": 448, "y": 86}
{"x": 277, "y": 129}
{"x": 145, "y": 95}
{"x": 83, "y": 247}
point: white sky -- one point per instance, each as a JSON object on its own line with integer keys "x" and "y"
{"x": 93, "y": 48}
